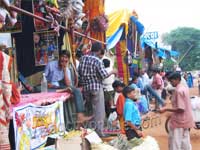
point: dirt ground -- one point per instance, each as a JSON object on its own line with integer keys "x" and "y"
{"x": 157, "y": 130}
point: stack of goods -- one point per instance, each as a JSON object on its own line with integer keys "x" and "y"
{"x": 149, "y": 143}
{"x": 72, "y": 134}
{"x": 120, "y": 143}
{"x": 102, "y": 146}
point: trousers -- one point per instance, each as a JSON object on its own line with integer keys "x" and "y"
{"x": 96, "y": 99}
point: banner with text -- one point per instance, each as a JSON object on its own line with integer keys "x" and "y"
{"x": 33, "y": 124}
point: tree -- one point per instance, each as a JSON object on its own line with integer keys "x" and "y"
{"x": 186, "y": 40}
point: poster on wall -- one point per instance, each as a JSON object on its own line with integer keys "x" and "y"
{"x": 33, "y": 124}
{"x": 39, "y": 9}
{"x": 45, "y": 47}
{"x": 10, "y": 21}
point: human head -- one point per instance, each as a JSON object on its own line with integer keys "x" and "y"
{"x": 64, "y": 57}
{"x": 129, "y": 92}
{"x": 174, "y": 78}
{"x": 156, "y": 69}
{"x": 97, "y": 48}
{"x": 167, "y": 74}
{"x": 106, "y": 63}
{"x": 102, "y": 53}
{"x": 79, "y": 54}
{"x": 143, "y": 71}
{"x": 36, "y": 38}
{"x": 135, "y": 78}
{"x": 118, "y": 86}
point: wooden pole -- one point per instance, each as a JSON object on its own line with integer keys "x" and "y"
{"x": 19, "y": 10}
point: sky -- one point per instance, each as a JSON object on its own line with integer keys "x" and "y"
{"x": 161, "y": 15}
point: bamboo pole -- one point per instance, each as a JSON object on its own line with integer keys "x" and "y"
{"x": 19, "y": 10}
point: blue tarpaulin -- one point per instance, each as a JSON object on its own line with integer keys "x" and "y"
{"x": 161, "y": 52}
{"x": 139, "y": 25}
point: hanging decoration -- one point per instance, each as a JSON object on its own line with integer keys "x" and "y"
{"x": 72, "y": 9}
{"x": 57, "y": 11}
{"x": 9, "y": 20}
{"x": 100, "y": 23}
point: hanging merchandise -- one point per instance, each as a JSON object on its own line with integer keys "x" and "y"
{"x": 55, "y": 11}
{"x": 72, "y": 9}
{"x": 39, "y": 9}
{"x": 94, "y": 8}
{"x": 9, "y": 20}
{"x": 128, "y": 58}
{"x": 45, "y": 47}
{"x": 100, "y": 23}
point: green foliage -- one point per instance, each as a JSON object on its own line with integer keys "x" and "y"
{"x": 168, "y": 64}
{"x": 181, "y": 39}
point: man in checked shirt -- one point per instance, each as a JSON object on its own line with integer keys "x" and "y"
{"x": 92, "y": 72}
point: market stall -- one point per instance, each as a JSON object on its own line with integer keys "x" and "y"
{"x": 47, "y": 34}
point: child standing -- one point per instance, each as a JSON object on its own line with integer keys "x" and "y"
{"x": 118, "y": 87}
{"x": 131, "y": 114}
{"x": 107, "y": 88}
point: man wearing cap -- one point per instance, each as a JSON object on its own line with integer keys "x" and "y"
{"x": 181, "y": 119}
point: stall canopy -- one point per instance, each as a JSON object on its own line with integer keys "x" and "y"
{"x": 122, "y": 37}
{"x": 161, "y": 52}
{"x": 118, "y": 22}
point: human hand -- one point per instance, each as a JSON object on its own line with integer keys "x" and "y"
{"x": 114, "y": 123}
{"x": 162, "y": 110}
{"x": 140, "y": 133}
{"x": 63, "y": 66}
{"x": 114, "y": 71}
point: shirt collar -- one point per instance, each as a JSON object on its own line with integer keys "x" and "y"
{"x": 129, "y": 100}
{"x": 93, "y": 54}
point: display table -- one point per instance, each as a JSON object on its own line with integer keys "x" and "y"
{"x": 42, "y": 98}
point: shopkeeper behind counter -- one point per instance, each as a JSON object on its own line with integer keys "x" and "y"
{"x": 61, "y": 74}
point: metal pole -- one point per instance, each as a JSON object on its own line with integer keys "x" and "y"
{"x": 191, "y": 45}
{"x": 14, "y": 8}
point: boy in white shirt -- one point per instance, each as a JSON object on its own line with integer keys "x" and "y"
{"x": 107, "y": 87}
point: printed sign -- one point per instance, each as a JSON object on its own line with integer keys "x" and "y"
{"x": 33, "y": 124}
{"x": 45, "y": 47}
{"x": 151, "y": 35}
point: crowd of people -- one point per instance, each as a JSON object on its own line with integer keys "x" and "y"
{"x": 102, "y": 93}
{"x": 97, "y": 92}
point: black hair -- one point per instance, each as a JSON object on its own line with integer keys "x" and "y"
{"x": 106, "y": 63}
{"x": 175, "y": 76}
{"x": 96, "y": 47}
{"x": 135, "y": 76}
{"x": 102, "y": 52}
{"x": 127, "y": 90}
{"x": 168, "y": 73}
{"x": 79, "y": 53}
{"x": 64, "y": 53}
{"x": 156, "y": 69}
{"x": 117, "y": 83}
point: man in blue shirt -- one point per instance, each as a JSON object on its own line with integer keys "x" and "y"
{"x": 131, "y": 114}
{"x": 61, "y": 74}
